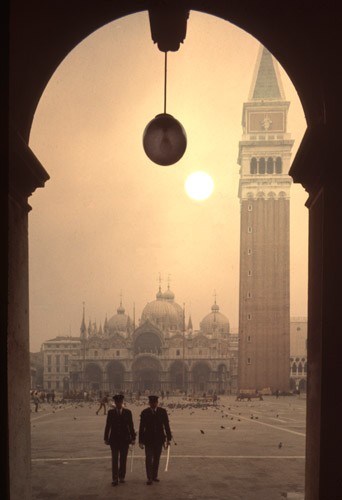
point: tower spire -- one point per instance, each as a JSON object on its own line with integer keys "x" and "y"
{"x": 266, "y": 82}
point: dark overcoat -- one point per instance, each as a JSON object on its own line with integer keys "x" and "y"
{"x": 154, "y": 429}
{"x": 119, "y": 428}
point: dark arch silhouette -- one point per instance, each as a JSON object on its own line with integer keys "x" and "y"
{"x": 307, "y": 44}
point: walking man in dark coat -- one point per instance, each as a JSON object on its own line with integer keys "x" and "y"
{"x": 119, "y": 434}
{"x": 154, "y": 433}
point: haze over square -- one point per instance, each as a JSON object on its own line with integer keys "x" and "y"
{"x": 109, "y": 220}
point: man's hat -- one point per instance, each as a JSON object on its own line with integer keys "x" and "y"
{"x": 153, "y": 399}
{"x": 118, "y": 397}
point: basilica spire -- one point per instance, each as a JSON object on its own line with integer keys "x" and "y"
{"x": 83, "y": 328}
{"x": 105, "y": 327}
{"x": 90, "y": 328}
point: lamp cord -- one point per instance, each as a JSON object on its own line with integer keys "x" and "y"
{"x": 165, "y": 74}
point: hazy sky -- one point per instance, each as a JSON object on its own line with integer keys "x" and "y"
{"x": 109, "y": 220}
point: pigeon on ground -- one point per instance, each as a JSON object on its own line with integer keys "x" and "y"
{"x": 202, "y": 432}
{"x": 280, "y": 445}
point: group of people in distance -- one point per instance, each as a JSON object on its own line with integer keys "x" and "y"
{"x": 119, "y": 434}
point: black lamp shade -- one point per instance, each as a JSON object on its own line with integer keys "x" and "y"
{"x": 164, "y": 140}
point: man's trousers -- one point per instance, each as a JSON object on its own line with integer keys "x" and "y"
{"x": 119, "y": 459}
{"x": 152, "y": 454}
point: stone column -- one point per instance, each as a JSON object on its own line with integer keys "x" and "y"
{"x": 25, "y": 175}
{"x": 317, "y": 167}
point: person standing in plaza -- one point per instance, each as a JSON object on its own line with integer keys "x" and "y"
{"x": 103, "y": 404}
{"x": 154, "y": 433}
{"x": 36, "y": 401}
{"x": 119, "y": 434}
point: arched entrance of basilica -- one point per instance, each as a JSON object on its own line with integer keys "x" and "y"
{"x": 115, "y": 377}
{"x": 92, "y": 377}
{"x": 200, "y": 377}
{"x": 147, "y": 374}
{"x": 147, "y": 342}
{"x": 178, "y": 376}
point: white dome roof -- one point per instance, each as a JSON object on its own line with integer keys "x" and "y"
{"x": 163, "y": 312}
{"x": 120, "y": 322}
{"x": 215, "y": 322}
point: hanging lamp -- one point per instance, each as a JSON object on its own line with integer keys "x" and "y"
{"x": 164, "y": 137}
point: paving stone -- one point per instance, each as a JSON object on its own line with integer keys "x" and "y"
{"x": 70, "y": 461}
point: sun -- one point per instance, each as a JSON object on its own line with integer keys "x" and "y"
{"x": 199, "y": 185}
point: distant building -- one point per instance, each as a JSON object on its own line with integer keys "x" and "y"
{"x": 264, "y": 192}
{"x": 57, "y": 355}
{"x": 298, "y": 353}
{"x": 161, "y": 354}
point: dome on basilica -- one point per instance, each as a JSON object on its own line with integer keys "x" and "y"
{"x": 215, "y": 322}
{"x": 120, "y": 322}
{"x": 162, "y": 312}
{"x": 168, "y": 295}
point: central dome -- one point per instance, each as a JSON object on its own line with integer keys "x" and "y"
{"x": 163, "y": 312}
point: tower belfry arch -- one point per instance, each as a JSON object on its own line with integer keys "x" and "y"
{"x": 264, "y": 192}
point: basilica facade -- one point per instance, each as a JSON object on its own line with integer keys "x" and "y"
{"x": 163, "y": 353}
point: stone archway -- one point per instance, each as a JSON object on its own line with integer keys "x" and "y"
{"x": 147, "y": 342}
{"x": 115, "y": 376}
{"x": 178, "y": 376}
{"x": 200, "y": 377}
{"x": 92, "y": 377}
{"x": 147, "y": 374}
{"x": 293, "y": 385}
{"x": 302, "y": 385}
{"x": 314, "y": 158}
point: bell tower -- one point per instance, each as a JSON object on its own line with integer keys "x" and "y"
{"x": 264, "y": 192}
